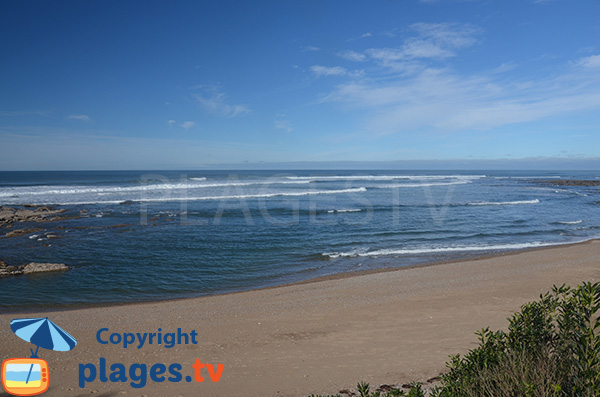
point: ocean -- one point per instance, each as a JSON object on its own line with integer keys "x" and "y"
{"x": 139, "y": 236}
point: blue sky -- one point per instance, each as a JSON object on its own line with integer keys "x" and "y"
{"x": 188, "y": 84}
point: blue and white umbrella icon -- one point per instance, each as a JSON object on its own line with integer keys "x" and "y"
{"x": 43, "y": 333}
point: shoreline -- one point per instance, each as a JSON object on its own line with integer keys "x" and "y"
{"x": 390, "y": 327}
{"x": 334, "y": 276}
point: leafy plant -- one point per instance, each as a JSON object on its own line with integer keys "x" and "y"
{"x": 552, "y": 348}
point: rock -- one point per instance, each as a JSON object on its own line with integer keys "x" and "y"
{"x": 569, "y": 182}
{"x": 29, "y": 213}
{"x": 20, "y": 232}
{"x": 385, "y": 388}
{"x": 10, "y": 271}
{"x": 6, "y": 270}
{"x": 34, "y": 267}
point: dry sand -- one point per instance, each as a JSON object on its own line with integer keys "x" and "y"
{"x": 319, "y": 337}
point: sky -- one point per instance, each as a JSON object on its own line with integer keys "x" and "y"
{"x": 191, "y": 84}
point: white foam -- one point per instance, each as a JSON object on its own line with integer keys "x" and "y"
{"x": 405, "y": 185}
{"x": 569, "y": 222}
{"x": 259, "y": 195}
{"x": 34, "y": 236}
{"x": 536, "y": 201}
{"x": 253, "y": 183}
{"x": 103, "y": 190}
{"x": 432, "y": 250}
{"x": 198, "y": 179}
{"x": 232, "y": 197}
{"x": 344, "y": 210}
{"x": 381, "y": 177}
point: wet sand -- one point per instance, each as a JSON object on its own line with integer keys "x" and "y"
{"x": 389, "y": 327}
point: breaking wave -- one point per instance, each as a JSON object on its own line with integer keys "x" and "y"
{"x": 431, "y": 250}
{"x": 519, "y": 202}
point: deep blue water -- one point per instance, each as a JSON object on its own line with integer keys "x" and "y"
{"x": 189, "y": 233}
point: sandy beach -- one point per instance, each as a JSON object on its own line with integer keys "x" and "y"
{"x": 389, "y": 327}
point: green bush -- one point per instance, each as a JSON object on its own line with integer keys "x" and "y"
{"x": 551, "y": 348}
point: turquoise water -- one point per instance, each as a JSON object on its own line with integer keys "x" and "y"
{"x": 159, "y": 235}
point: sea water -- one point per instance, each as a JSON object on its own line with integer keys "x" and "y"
{"x": 134, "y": 236}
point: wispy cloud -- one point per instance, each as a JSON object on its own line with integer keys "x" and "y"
{"x": 416, "y": 93}
{"x": 352, "y": 56}
{"x": 311, "y": 48}
{"x": 321, "y": 71}
{"x": 328, "y": 71}
{"x": 592, "y": 62}
{"x": 282, "y": 124}
{"x": 430, "y": 42}
{"x": 214, "y": 101}
{"x": 81, "y": 117}
{"x": 445, "y": 101}
{"x": 187, "y": 125}
{"x": 18, "y": 113}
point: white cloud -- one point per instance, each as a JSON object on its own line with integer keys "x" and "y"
{"x": 187, "y": 124}
{"x": 443, "y": 101}
{"x": 311, "y": 48}
{"x": 213, "y": 101}
{"x": 81, "y": 117}
{"x": 592, "y": 62}
{"x": 365, "y": 35}
{"x": 171, "y": 122}
{"x": 432, "y": 41}
{"x": 352, "y": 56}
{"x": 328, "y": 71}
{"x": 451, "y": 35}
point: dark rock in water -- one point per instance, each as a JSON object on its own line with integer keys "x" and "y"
{"x": 6, "y": 270}
{"x": 28, "y": 213}
{"x": 10, "y": 271}
{"x": 568, "y": 182}
{"x": 20, "y": 232}
{"x": 34, "y": 267}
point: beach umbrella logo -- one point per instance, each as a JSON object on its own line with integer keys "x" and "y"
{"x": 30, "y": 376}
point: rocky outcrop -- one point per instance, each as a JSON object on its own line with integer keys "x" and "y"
{"x": 569, "y": 182}
{"x": 20, "y": 232}
{"x": 6, "y": 270}
{"x": 29, "y": 213}
{"x": 32, "y": 267}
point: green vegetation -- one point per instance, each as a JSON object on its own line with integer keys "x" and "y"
{"x": 551, "y": 348}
